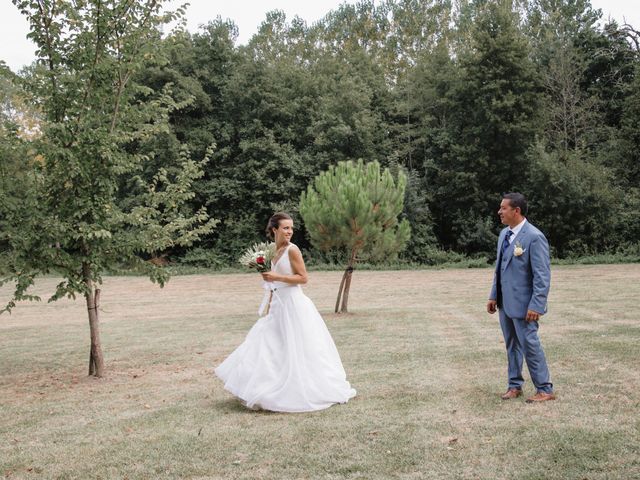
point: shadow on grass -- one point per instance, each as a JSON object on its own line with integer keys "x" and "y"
{"x": 233, "y": 405}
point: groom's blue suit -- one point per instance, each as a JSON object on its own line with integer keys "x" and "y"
{"x": 521, "y": 283}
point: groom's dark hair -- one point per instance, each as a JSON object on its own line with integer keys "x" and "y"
{"x": 517, "y": 200}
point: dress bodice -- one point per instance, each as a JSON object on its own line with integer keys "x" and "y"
{"x": 283, "y": 265}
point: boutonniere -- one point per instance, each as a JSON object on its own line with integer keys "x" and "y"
{"x": 518, "y": 250}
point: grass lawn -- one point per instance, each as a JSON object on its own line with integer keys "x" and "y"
{"x": 427, "y": 361}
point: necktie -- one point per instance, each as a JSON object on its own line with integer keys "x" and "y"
{"x": 503, "y": 250}
{"x": 505, "y": 242}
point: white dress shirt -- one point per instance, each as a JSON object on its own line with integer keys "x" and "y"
{"x": 516, "y": 230}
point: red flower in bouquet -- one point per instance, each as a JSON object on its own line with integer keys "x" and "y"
{"x": 259, "y": 256}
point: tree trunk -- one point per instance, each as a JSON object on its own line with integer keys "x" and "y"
{"x": 345, "y": 285}
{"x": 344, "y": 278}
{"x": 345, "y": 293}
{"x": 96, "y": 360}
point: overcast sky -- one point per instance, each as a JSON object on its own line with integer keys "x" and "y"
{"x": 17, "y": 51}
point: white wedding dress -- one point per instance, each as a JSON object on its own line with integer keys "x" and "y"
{"x": 288, "y": 361}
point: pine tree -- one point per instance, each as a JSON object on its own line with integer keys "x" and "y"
{"x": 354, "y": 207}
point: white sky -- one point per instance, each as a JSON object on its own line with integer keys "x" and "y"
{"x": 16, "y": 50}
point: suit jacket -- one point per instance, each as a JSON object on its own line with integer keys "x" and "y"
{"x": 521, "y": 283}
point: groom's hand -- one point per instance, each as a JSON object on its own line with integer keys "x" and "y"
{"x": 532, "y": 316}
{"x": 492, "y": 306}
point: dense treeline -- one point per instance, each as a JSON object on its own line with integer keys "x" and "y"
{"x": 539, "y": 96}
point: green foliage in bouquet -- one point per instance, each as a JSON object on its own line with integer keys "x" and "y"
{"x": 354, "y": 207}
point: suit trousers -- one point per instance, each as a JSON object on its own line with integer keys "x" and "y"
{"x": 522, "y": 341}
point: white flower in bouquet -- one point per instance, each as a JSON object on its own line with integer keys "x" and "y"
{"x": 259, "y": 256}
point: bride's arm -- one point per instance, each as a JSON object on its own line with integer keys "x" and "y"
{"x": 297, "y": 266}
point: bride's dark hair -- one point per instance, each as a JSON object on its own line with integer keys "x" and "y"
{"x": 274, "y": 222}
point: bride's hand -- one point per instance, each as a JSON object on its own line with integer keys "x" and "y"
{"x": 269, "y": 276}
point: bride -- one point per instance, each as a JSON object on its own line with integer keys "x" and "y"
{"x": 288, "y": 361}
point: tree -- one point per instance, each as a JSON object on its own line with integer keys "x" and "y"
{"x": 427, "y": 138}
{"x": 17, "y": 122}
{"x": 493, "y": 121}
{"x": 573, "y": 200}
{"x": 624, "y": 154}
{"x": 98, "y": 127}
{"x": 354, "y": 207}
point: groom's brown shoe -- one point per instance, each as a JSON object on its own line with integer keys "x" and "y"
{"x": 511, "y": 393}
{"x": 541, "y": 397}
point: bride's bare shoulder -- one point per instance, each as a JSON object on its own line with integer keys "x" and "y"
{"x": 295, "y": 253}
{"x": 293, "y": 249}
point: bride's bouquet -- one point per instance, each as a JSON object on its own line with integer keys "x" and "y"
{"x": 259, "y": 256}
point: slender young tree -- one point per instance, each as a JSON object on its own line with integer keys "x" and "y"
{"x": 354, "y": 207}
{"x": 97, "y": 126}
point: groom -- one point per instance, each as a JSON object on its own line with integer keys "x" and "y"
{"x": 520, "y": 288}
